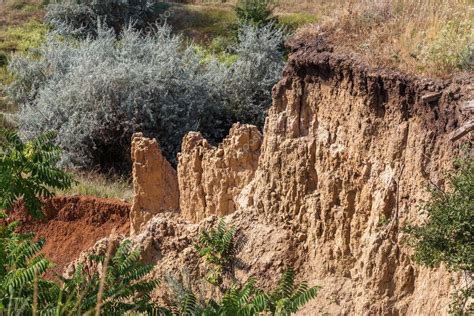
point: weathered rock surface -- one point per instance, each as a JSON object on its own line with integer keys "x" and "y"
{"x": 155, "y": 183}
{"x": 347, "y": 155}
{"x": 211, "y": 178}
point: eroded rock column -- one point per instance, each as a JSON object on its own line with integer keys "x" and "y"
{"x": 211, "y": 178}
{"x": 155, "y": 183}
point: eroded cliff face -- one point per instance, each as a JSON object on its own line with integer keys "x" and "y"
{"x": 211, "y": 178}
{"x": 346, "y": 158}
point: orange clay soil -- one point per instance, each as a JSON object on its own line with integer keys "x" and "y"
{"x": 73, "y": 224}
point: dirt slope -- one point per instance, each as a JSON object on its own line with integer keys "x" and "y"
{"x": 73, "y": 224}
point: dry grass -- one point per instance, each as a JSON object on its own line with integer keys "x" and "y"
{"x": 17, "y": 12}
{"x": 416, "y": 36}
{"x": 424, "y": 36}
{"x": 102, "y": 186}
{"x": 20, "y": 29}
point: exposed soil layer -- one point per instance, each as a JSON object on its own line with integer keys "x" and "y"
{"x": 73, "y": 224}
{"x": 347, "y": 156}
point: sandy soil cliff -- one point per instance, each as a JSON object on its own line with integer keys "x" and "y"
{"x": 155, "y": 185}
{"x": 347, "y": 154}
{"x": 211, "y": 178}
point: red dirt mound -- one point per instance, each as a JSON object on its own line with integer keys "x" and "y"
{"x": 73, "y": 224}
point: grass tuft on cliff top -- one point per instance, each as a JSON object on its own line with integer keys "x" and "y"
{"x": 434, "y": 37}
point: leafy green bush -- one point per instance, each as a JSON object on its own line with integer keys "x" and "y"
{"x": 448, "y": 235}
{"x": 255, "y": 12}
{"x": 216, "y": 246}
{"x": 28, "y": 170}
{"x": 84, "y": 17}
{"x": 3, "y": 59}
{"x": 249, "y": 300}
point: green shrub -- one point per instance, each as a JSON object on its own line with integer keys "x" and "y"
{"x": 28, "y": 170}
{"x": 448, "y": 234}
{"x": 254, "y": 12}
{"x": 249, "y": 300}
{"x": 3, "y": 59}
{"x": 216, "y": 246}
{"x": 452, "y": 48}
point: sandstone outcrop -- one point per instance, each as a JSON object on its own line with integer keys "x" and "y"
{"x": 210, "y": 178}
{"x": 155, "y": 184}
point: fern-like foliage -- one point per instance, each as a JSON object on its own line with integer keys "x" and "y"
{"x": 21, "y": 265}
{"x": 28, "y": 170}
{"x": 187, "y": 305}
{"x": 288, "y": 298}
{"x": 22, "y": 268}
{"x": 216, "y": 246}
{"x": 248, "y": 300}
{"x": 125, "y": 290}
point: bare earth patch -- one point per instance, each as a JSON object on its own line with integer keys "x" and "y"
{"x": 74, "y": 224}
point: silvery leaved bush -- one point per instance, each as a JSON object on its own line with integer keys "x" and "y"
{"x": 96, "y": 92}
{"x": 81, "y": 17}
